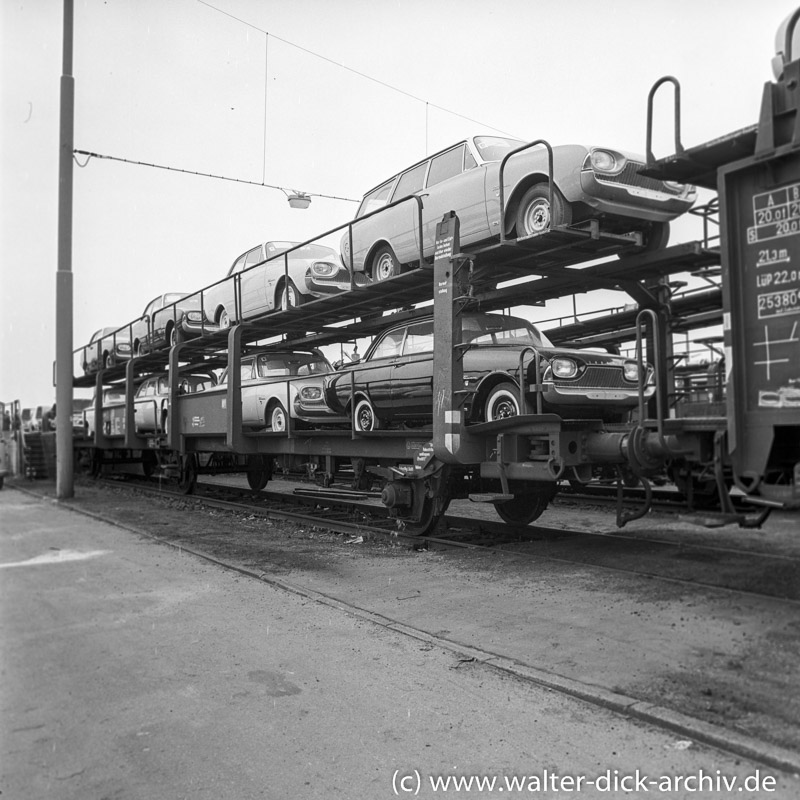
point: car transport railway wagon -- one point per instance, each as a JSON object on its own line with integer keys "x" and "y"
{"x": 499, "y": 436}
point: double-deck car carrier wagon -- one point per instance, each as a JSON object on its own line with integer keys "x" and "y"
{"x": 515, "y": 461}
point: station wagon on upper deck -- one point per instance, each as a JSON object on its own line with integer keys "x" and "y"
{"x": 589, "y": 183}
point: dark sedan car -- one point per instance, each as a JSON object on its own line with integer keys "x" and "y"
{"x": 394, "y": 381}
{"x": 589, "y": 183}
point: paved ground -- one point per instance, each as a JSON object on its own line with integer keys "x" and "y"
{"x": 132, "y": 670}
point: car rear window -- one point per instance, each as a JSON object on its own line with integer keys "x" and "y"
{"x": 376, "y": 199}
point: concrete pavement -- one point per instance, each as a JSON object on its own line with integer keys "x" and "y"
{"x": 131, "y": 670}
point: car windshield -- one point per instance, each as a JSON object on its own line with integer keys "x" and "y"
{"x": 271, "y": 365}
{"x": 173, "y": 297}
{"x": 497, "y": 330}
{"x": 495, "y": 148}
{"x": 306, "y": 251}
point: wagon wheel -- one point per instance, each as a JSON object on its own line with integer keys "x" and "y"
{"x": 188, "y": 476}
{"x": 149, "y": 462}
{"x": 536, "y": 215}
{"x": 259, "y": 471}
{"x": 524, "y": 508}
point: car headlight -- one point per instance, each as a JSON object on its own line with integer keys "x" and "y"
{"x": 607, "y": 161}
{"x": 563, "y": 368}
{"x": 194, "y": 316}
{"x": 630, "y": 371}
{"x": 311, "y": 393}
{"x": 323, "y": 268}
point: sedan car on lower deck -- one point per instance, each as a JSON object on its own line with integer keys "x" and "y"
{"x": 589, "y": 183}
{"x": 152, "y": 398}
{"x": 393, "y": 383}
{"x": 271, "y": 381}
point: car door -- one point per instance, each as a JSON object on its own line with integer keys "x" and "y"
{"x": 145, "y": 407}
{"x": 253, "y": 284}
{"x": 456, "y": 183}
{"x": 373, "y": 376}
{"x": 411, "y": 389}
{"x": 251, "y": 417}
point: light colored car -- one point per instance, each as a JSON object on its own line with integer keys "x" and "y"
{"x": 163, "y": 319}
{"x": 272, "y": 275}
{"x": 106, "y": 348}
{"x": 589, "y": 183}
{"x": 151, "y": 401}
{"x": 271, "y": 381}
{"x": 394, "y": 381}
{"x": 113, "y": 412}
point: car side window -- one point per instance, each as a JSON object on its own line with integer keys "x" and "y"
{"x": 390, "y": 345}
{"x": 376, "y": 199}
{"x": 419, "y": 339}
{"x": 238, "y": 265}
{"x": 246, "y": 370}
{"x": 254, "y": 257}
{"x": 410, "y": 182}
{"x": 163, "y": 386}
{"x": 446, "y": 165}
{"x": 469, "y": 161}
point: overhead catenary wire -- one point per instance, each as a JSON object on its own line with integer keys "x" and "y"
{"x": 364, "y": 75}
{"x": 90, "y": 155}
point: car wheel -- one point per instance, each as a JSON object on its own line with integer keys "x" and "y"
{"x": 172, "y": 336}
{"x": 535, "y": 214}
{"x": 276, "y": 420}
{"x": 289, "y": 296}
{"x": 384, "y": 264}
{"x": 657, "y": 237}
{"x": 365, "y": 417}
{"x": 108, "y": 360}
{"x": 223, "y": 320}
{"x": 502, "y": 402}
{"x": 137, "y": 349}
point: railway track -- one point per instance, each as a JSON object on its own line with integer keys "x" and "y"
{"x": 658, "y": 552}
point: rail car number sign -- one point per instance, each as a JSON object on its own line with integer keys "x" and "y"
{"x": 770, "y": 272}
{"x": 774, "y": 236}
{"x": 761, "y": 291}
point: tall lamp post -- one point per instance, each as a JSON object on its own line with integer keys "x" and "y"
{"x": 64, "y": 470}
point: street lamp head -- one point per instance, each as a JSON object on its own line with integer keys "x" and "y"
{"x": 299, "y": 200}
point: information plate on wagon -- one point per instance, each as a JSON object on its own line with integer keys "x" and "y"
{"x": 767, "y": 308}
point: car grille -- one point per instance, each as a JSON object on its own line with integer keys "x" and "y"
{"x": 630, "y": 176}
{"x": 598, "y": 377}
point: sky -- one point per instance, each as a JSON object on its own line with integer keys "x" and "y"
{"x": 328, "y": 97}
